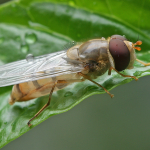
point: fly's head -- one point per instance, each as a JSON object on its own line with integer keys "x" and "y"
{"x": 122, "y": 52}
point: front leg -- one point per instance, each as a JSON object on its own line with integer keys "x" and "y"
{"x": 111, "y": 68}
{"x": 88, "y": 78}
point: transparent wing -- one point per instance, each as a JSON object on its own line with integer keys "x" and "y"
{"x": 40, "y": 67}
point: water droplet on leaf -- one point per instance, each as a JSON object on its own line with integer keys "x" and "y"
{"x": 89, "y": 88}
{"x": 68, "y": 94}
{"x": 30, "y": 58}
{"x": 30, "y": 38}
{"x": 137, "y": 73}
{"x": 24, "y": 48}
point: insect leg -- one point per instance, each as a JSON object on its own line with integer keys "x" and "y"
{"x": 111, "y": 68}
{"x": 88, "y": 78}
{"x": 145, "y": 64}
{"x": 45, "y": 106}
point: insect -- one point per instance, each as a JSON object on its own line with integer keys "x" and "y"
{"x": 42, "y": 75}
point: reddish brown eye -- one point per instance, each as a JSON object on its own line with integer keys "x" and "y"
{"x": 120, "y": 54}
{"x": 118, "y": 37}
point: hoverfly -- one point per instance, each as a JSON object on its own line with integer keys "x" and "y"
{"x": 42, "y": 75}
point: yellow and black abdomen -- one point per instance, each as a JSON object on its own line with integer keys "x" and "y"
{"x": 33, "y": 89}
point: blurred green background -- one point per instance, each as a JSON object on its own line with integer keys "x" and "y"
{"x": 98, "y": 122}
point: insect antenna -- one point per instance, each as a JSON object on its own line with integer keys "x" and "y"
{"x": 137, "y": 43}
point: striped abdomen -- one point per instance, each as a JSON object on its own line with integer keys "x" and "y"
{"x": 30, "y": 90}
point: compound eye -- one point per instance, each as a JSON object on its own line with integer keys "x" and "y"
{"x": 120, "y": 54}
{"x": 118, "y": 37}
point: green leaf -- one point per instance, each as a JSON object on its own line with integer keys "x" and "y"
{"x": 52, "y": 24}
